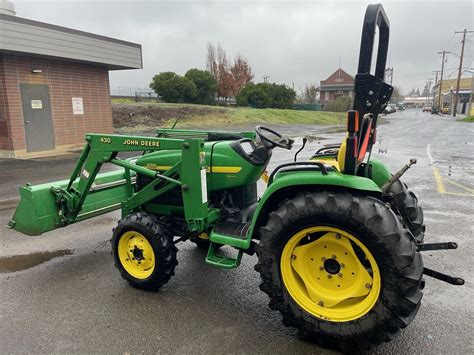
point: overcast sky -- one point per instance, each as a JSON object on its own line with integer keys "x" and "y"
{"x": 296, "y": 42}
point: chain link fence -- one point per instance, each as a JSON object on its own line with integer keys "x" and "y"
{"x": 134, "y": 93}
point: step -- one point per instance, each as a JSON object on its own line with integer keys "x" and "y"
{"x": 222, "y": 261}
{"x": 231, "y": 233}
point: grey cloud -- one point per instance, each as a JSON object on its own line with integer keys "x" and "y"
{"x": 298, "y": 42}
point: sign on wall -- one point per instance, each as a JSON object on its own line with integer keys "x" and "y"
{"x": 36, "y": 104}
{"x": 77, "y": 106}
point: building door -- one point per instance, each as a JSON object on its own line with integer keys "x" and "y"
{"x": 37, "y": 117}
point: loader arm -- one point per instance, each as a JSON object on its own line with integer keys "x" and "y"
{"x": 87, "y": 193}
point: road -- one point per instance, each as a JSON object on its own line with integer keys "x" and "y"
{"x": 77, "y": 302}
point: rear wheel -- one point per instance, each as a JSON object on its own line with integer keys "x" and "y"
{"x": 341, "y": 269}
{"x": 406, "y": 203}
{"x": 144, "y": 251}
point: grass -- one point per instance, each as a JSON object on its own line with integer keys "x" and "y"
{"x": 219, "y": 116}
{"x": 467, "y": 119}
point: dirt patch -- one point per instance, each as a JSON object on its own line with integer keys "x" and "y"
{"x": 128, "y": 115}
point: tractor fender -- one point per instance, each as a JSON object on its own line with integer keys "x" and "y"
{"x": 288, "y": 184}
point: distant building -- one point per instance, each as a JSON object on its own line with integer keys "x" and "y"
{"x": 338, "y": 84}
{"x": 54, "y": 84}
{"x": 448, "y": 90}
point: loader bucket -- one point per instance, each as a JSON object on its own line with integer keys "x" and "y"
{"x": 38, "y": 211}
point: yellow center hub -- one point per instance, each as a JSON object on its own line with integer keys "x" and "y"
{"x": 136, "y": 255}
{"x": 330, "y": 274}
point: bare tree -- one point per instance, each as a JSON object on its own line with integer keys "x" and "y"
{"x": 230, "y": 79}
{"x": 211, "y": 62}
{"x": 310, "y": 92}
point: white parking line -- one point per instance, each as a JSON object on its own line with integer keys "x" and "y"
{"x": 428, "y": 152}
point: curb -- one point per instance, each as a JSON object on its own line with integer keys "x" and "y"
{"x": 9, "y": 203}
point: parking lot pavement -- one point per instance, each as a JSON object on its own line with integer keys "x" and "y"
{"x": 75, "y": 301}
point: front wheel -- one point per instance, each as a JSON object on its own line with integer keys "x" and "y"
{"x": 144, "y": 251}
{"x": 341, "y": 269}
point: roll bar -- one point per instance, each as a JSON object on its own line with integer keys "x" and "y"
{"x": 375, "y": 16}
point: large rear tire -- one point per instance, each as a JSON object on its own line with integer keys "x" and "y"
{"x": 406, "y": 203}
{"x": 144, "y": 251}
{"x": 341, "y": 269}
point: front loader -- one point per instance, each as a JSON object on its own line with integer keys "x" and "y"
{"x": 338, "y": 237}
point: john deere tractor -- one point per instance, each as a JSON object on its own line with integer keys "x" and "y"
{"x": 338, "y": 237}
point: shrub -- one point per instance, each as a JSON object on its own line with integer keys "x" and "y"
{"x": 341, "y": 104}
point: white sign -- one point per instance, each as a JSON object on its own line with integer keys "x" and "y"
{"x": 77, "y": 106}
{"x": 204, "y": 185}
{"x": 36, "y": 104}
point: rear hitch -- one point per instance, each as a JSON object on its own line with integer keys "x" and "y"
{"x": 457, "y": 281}
{"x": 437, "y": 246}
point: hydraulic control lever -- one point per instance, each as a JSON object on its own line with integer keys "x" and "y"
{"x": 397, "y": 175}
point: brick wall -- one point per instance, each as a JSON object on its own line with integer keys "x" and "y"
{"x": 5, "y": 141}
{"x": 332, "y": 95}
{"x": 65, "y": 80}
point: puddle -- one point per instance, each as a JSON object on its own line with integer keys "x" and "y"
{"x": 23, "y": 262}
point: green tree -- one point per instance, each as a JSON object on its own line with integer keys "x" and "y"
{"x": 171, "y": 87}
{"x": 206, "y": 85}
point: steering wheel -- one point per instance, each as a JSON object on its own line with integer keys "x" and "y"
{"x": 282, "y": 142}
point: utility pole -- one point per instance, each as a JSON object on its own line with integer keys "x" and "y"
{"x": 456, "y": 97}
{"x": 435, "y": 83}
{"x": 429, "y": 91}
{"x": 265, "y": 78}
{"x": 441, "y": 79}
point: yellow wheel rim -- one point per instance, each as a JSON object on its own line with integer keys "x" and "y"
{"x": 136, "y": 255}
{"x": 330, "y": 274}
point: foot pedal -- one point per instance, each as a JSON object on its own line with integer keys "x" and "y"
{"x": 231, "y": 233}
{"x": 220, "y": 260}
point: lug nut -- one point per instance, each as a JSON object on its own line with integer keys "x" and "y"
{"x": 338, "y": 236}
{"x": 323, "y": 258}
{"x": 321, "y": 303}
{"x": 293, "y": 257}
{"x": 342, "y": 265}
{"x": 329, "y": 276}
{"x": 321, "y": 268}
{"x": 334, "y": 256}
{"x": 340, "y": 274}
{"x": 368, "y": 285}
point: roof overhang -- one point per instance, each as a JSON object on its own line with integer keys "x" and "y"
{"x": 22, "y": 36}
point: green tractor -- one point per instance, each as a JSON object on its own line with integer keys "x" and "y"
{"x": 338, "y": 238}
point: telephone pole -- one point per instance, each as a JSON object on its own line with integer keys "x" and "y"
{"x": 265, "y": 78}
{"x": 441, "y": 79}
{"x": 435, "y": 83}
{"x": 456, "y": 97}
{"x": 429, "y": 91}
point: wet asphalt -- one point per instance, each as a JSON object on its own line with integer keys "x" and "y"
{"x": 75, "y": 300}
